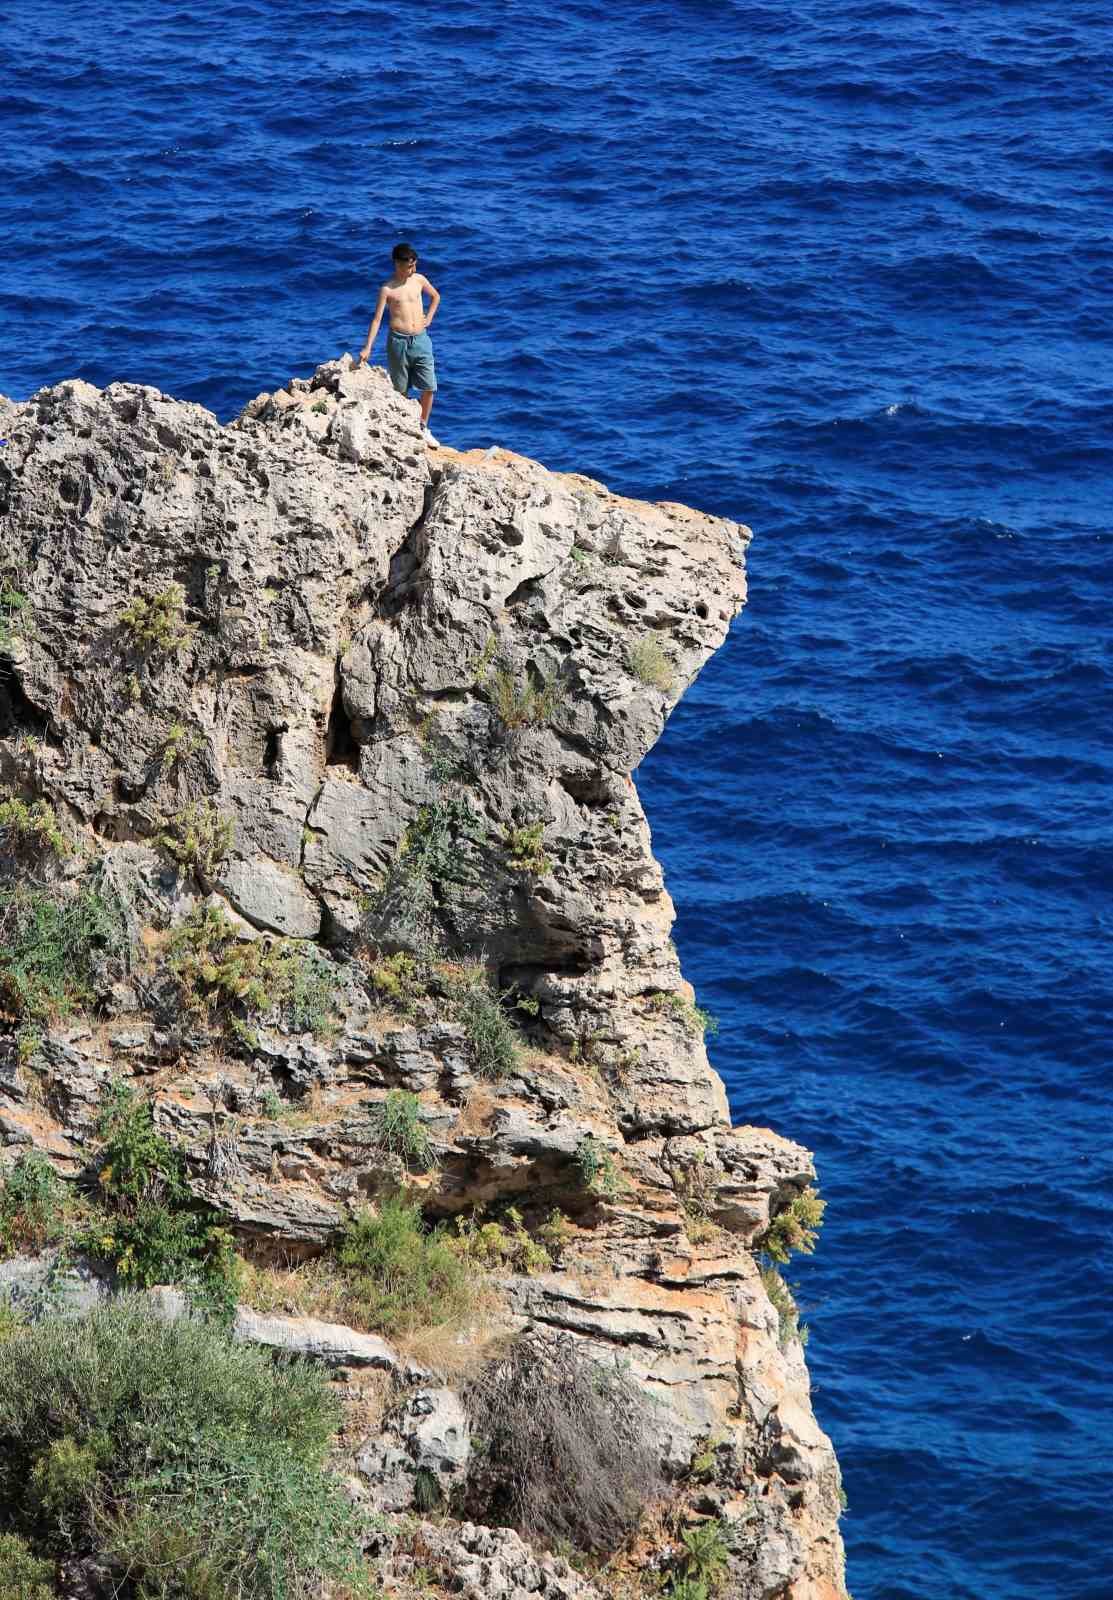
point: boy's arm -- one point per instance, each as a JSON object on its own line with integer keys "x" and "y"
{"x": 373, "y": 330}
{"x": 434, "y": 300}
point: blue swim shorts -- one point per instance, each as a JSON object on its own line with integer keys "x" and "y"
{"x": 410, "y": 359}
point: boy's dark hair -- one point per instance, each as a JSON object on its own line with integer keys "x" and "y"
{"x": 403, "y": 252}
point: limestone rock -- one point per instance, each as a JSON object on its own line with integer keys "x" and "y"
{"x": 396, "y": 697}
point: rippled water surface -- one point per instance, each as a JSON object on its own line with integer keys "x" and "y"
{"x": 844, "y": 273}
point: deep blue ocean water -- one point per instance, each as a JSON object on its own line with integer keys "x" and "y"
{"x": 842, "y": 272}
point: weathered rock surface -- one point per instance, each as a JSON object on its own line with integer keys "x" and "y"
{"x": 371, "y": 635}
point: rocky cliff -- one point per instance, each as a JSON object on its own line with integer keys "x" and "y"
{"x": 348, "y": 697}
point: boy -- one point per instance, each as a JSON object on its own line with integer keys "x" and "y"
{"x": 409, "y": 350}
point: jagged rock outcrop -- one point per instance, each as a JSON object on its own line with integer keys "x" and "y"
{"x": 307, "y": 629}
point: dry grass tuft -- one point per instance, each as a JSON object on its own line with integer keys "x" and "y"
{"x": 566, "y": 1450}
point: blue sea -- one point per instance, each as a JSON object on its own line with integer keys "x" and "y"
{"x": 842, "y": 272}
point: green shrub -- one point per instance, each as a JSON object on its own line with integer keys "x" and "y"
{"x": 433, "y": 858}
{"x": 491, "y": 1036}
{"x": 52, "y": 943}
{"x": 401, "y": 1277}
{"x": 198, "y": 837}
{"x": 704, "y": 1558}
{"x": 153, "y": 1229}
{"x": 526, "y": 849}
{"x": 692, "y": 1018}
{"x": 193, "y": 1465}
{"x": 795, "y": 1227}
{"x": 399, "y": 981}
{"x": 28, "y": 832}
{"x": 158, "y": 623}
{"x": 233, "y": 982}
{"x": 309, "y": 1004}
{"x": 501, "y": 1245}
{"x": 180, "y": 743}
{"x": 781, "y": 1298}
{"x": 23, "y": 1576}
{"x": 14, "y": 616}
{"x": 597, "y": 1168}
{"x": 697, "y": 1187}
{"x": 531, "y": 702}
{"x": 564, "y": 1450}
{"x": 650, "y": 665}
{"x": 32, "y": 1205}
{"x": 398, "y": 1130}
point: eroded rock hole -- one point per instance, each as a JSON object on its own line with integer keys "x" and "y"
{"x": 341, "y": 748}
{"x": 272, "y": 752}
{"x": 17, "y": 714}
{"x": 527, "y": 590}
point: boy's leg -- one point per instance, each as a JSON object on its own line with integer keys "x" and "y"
{"x": 424, "y": 373}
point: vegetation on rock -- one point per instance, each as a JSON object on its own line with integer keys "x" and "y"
{"x": 692, "y": 1018}
{"x": 398, "y": 1276}
{"x": 53, "y": 942}
{"x": 28, "y": 832}
{"x": 527, "y": 702}
{"x": 794, "y": 1228}
{"x": 234, "y": 982}
{"x": 597, "y": 1168}
{"x": 158, "y": 623}
{"x": 545, "y": 1401}
{"x": 648, "y": 663}
{"x": 150, "y": 1226}
{"x": 397, "y": 1129}
{"x": 198, "y": 837}
{"x": 192, "y": 1467}
{"x": 32, "y": 1205}
{"x": 784, "y": 1304}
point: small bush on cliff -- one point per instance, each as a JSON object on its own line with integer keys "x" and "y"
{"x": 494, "y": 1043}
{"x": 597, "y": 1168}
{"x": 794, "y": 1228}
{"x": 436, "y": 854}
{"x": 193, "y": 1467}
{"x": 180, "y": 743}
{"x": 529, "y": 702}
{"x": 399, "y": 981}
{"x": 650, "y": 665}
{"x": 400, "y": 1277}
{"x": 398, "y": 1130}
{"x": 233, "y": 982}
{"x": 692, "y": 1018}
{"x": 526, "y": 849}
{"x": 781, "y": 1298}
{"x": 151, "y": 1228}
{"x": 29, "y": 832}
{"x": 198, "y": 837}
{"x": 702, "y": 1563}
{"x": 32, "y": 1205}
{"x": 14, "y": 616}
{"x": 158, "y": 623}
{"x": 565, "y": 1448}
{"x": 23, "y": 1576}
{"x": 501, "y": 1245}
{"x": 53, "y": 943}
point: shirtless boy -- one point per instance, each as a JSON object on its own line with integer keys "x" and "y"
{"x": 409, "y": 349}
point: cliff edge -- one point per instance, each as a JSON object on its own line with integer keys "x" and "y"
{"x": 329, "y": 737}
